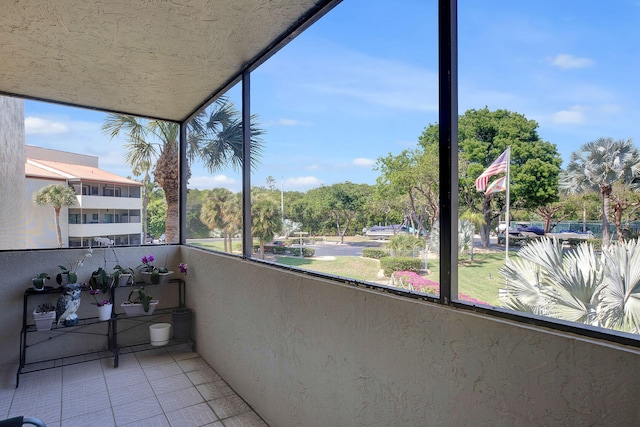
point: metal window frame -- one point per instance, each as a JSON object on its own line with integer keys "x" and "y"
{"x": 448, "y": 180}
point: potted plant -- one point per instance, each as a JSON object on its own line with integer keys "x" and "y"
{"x": 70, "y": 275}
{"x": 44, "y": 315}
{"x": 40, "y": 281}
{"x": 122, "y": 276}
{"x": 104, "y": 305}
{"x": 154, "y": 275}
{"x": 139, "y": 302}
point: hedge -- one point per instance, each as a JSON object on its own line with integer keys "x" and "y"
{"x": 391, "y": 264}
{"x": 286, "y": 250}
{"x": 375, "y": 253}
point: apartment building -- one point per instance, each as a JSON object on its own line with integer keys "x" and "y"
{"x": 108, "y": 205}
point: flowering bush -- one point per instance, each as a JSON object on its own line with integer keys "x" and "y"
{"x": 413, "y": 281}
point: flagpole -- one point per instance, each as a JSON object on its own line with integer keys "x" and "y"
{"x": 506, "y": 220}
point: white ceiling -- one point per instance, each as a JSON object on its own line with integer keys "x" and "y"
{"x": 153, "y": 58}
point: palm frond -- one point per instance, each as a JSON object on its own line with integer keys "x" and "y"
{"x": 621, "y": 293}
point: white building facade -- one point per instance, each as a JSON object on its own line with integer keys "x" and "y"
{"x": 108, "y": 205}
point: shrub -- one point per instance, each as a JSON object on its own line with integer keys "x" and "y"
{"x": 390, "y": 264}
{"x": 413, "y": 281}
{"x": 375, "y": 253}
{"x": 405, "y": 242}
{"x": 306, "y": 252}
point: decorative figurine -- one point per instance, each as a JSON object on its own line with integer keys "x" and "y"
{"x": 68, "y": 304}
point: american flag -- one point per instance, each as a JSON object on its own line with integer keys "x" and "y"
{"x": 497, "y": 186}
{"x": 498, "y": 166}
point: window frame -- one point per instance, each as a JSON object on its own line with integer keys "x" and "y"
{"x": 448, "y": 181}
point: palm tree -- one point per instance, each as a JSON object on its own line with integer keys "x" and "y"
{"x": 265, "y": 220}
{"x": 579, "y": 285}
{"x": 214, "y": 137}
{"x": 56, "y": 195}
{"x": 597, "y": 166}
{"x": 222, "y": 210}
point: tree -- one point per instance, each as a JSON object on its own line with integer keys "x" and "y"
{"x": 553, "y": 213}
{"x": 413, "y": 174}
{"x": 535, "y": 164}
{"x": 222, "y": 211}
{"x": 266, "y": 221}
{"x": 341, "y": 202}
{"x": 56, "y": 195}
{"x": 214, "y": 137}
{"x": 596, "y": 166}
{"x": 196, "y": 229}
{"x": 623, "y": 200}
{"x": 156, "y": 213}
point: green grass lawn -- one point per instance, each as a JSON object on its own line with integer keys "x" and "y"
{"x": 346, "y": 266}
{"x": 218, "y": 246}
{"x": 478, "y": 279}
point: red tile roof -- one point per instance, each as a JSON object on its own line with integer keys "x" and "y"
{"x": 62, "y": 171}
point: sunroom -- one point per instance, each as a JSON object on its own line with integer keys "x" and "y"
{"x": 301, "y": 347}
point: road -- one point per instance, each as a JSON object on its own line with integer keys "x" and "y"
{"x": 346, "y": 249}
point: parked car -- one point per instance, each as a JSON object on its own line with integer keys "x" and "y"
{"x": 526, "y": 231}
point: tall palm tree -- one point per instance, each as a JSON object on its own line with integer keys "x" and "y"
{"x": 265, "y": 220}
{"x": 597, "y": 166}
{"x": 56, "y": 195}
{"x": 222, "y": 211}
{"x": 214, "y": 137}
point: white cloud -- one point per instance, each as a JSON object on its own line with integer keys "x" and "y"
{"x": 573, "y": 116}
{"x": 292, "y": 122}
{"x": 39, "y": 126}
{"x": 301, "y": 183}
{"x": 363, "y": 162}
{"x": 566, "y": 61}
{"x": 209, "y": 182}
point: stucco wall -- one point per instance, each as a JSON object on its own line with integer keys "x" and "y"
{"x": 306, "y": 351}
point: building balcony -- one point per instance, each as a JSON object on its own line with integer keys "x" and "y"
{"x": 305, "y": 350}
{"x": 109, "y": 202}
{"x": 104, "y": 229}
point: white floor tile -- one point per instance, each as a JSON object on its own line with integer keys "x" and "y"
{"x": 197, "y": 415}
{"x": 156, "y": 387}
{"x": 101, "y": 418}
{"x": 179, "y": 399}
{"x": 136, "y": 410}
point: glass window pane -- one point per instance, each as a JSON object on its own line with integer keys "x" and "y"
{"x": 348, "y": 183}
{"x": 87, "y": 163}
{"x": 214, "y": 198}
{"x": 555, "y": 229}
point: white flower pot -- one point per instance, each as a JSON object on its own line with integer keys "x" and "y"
{"x": 160, "y": 333}
{"x": 137, "y": 310}
{"x": 124, "y": 280}
{"x": 44, "y": 320}
{"x": 163, "y": 278}
{"x": 104, "y": 312}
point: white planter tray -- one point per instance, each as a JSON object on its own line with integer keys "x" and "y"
{"x": 44, "y": 320}
{"x": 137, "y": 310}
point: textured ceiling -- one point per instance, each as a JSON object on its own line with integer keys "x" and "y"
{"x": 153, "y": 58}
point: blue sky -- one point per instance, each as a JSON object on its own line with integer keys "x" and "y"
{"x": 362, "y": 83}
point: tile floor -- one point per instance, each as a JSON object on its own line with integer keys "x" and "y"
{"x": 166, "y": 386}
